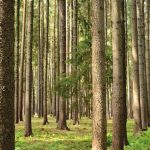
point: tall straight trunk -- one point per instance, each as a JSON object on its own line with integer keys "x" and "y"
{"x": 74, "y": 69}
{"x": 54, "y": 62}
{"x": 70, "y": 55}
{"x": 98, "y": 74}
{"x": 135, "y": 73}
{"x": 147, "y": 55}
{"x": 40, "y": 58}
{"x": 149, "y": 52}
{"x": 22, "y": 62}
{"x": 17, "y": 62}
{"x": 67, "y": 51}
{"x": 45, "y": 121}
{"x": 119, "y": 74}
{"x": 57, "y": 68}
{"x": 7, "y": 133}
{"x": 62, "y": 124}
{"x": 38, "y": 78}
{"x": 144, "y": 59}
{"x": 28, "y": 97}
{"x": 141, "y": 51}
{"x": 125, "y": 57}
{"x": 42, "y": 44}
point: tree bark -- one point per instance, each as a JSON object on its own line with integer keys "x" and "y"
{"x": 22, "y": 62}
{"x": 62, "y": 124}
{"x": 17, "y": 62}
{"x": 45, "y": 121}
{"x": 141, "y": 56}
{"x": 74, "y": 69}
{"x": 135, "y": 73}
{"x": 28, "y": 97}
{"x": 147, "y": 55}
{"x": 7, "y": 82}
{"x": 98, "y": 74}
{"x": 119, "y": 75}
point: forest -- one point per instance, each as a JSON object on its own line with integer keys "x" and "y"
{"x": 74, "y": 74}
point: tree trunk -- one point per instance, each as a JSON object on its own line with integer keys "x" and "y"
{"x": 119, "y": 75}
{"x": 135, "y": 73}
{"x": 74, "y": 69}
{"x": 141, "y": 56}
{"x": 147, "y": 55}
{"x": 98, "y": 73}
{"x": 125, "y": 57}
{"x": 22, "y": 62}
{"x": 62, "y": 124}
{"x": 40, "y": 60}
{"x": 17, "y": 62}
{"x": 54, "y": 53}
{"x": 7, "y": 133}
{"x": 28, "y": 126}
{"x": 45, "y": 121}
{"x": 57, "y": 62}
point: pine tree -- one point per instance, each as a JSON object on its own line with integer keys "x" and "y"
{"x": 98, "y": 75}
{"x": 119, "y": 74}
{"x": 7, "y": 82}
{"x": 135, "y": 74}
{"x": 28, "y": 97}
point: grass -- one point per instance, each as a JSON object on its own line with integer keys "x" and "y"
{"x": 79, "y": 138}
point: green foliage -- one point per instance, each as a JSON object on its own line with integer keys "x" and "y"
{"x": 79, "y": 138}
{"x": 81, "y": 60}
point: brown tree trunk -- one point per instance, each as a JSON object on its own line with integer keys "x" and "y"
{"x": 7, "y": 133}
{"x": 28, "y": 126}
{"x": 40, "y": 61}
{"x": 62, "y": 124}
{"x": 57, "y": 60}
{"x": 135, "y": 73}
{"x": 45, "y": 121}
{"x": 125, "y": 57}
{"x": 22, "y": 63}
{"x": 119, "y": 75}
{"x": 98, "y": 74}
{"x": 54, "y": 54}
{"x": 17, "y": 62}
{"x": 74, "y": 69}
{"x": 147, "y": 55}
{"x": 141, "y": 51}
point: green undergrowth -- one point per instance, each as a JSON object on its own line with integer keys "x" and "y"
{"x": 78, "y": 138}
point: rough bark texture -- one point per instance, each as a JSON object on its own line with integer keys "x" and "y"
{"x": 54, "y": 60}
{"x": 119, "y": 87}
{"x": 45, "y": 121}
{"x": 74, "y": 70}
{"x": 147, "y": 56}
{"x": 17, "y": 62}
{"x": 7, "y": 136}
{"x": 28, "y": 97}
{"x": 62, "y": 124}
{"x": 149, "y": 52}
{"x": 40, "y": 62}
{"x": 124, "y": 73}
{"x": 21, "y": 69}
{"x": 57, "y": 68}
{"x": 135, "y": 73}
{"x": 98, "y": 73}
{"x": 141, "y": 55}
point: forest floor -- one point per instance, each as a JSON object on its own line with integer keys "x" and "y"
{"x": 78, "y": 138}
